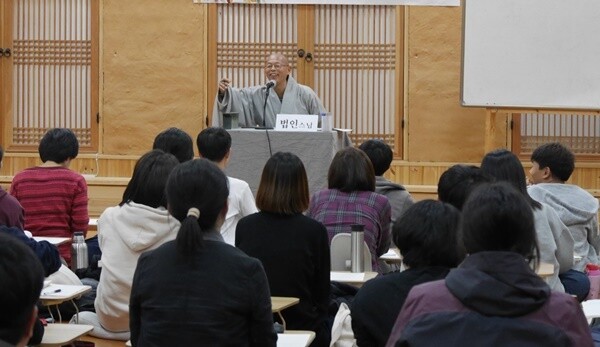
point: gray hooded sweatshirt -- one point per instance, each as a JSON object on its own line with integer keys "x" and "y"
{"x": 578, "y": 210}
{"x": 400, "y": 199}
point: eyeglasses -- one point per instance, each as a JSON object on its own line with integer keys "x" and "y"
{"x": 271, "y": 66}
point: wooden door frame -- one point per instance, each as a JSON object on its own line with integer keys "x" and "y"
{"x": 6, "y": 10}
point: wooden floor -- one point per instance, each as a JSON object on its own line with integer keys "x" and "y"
{"x": 103, "y": 343}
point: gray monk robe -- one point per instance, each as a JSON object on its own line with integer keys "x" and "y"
{"x": 249, "y": 103}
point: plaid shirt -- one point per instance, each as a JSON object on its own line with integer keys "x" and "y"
{"x": 338, "y": 211}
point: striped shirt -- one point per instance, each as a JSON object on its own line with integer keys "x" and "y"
{"x": 338, "y": 211}
{"x": 55, "y": 201}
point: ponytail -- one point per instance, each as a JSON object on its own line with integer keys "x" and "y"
{"x": 189, "y": 238}
{"x": 197, "y": 193}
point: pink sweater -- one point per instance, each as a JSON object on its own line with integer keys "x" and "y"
{"x": 55, "y": 201}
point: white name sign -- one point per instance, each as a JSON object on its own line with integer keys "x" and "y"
{"x": 296, "y": 122}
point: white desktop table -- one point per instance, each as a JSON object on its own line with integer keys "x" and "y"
{"x": 356, "y": 279}
{"x": 56, "y": 294}
{"x": 63, "y": 334}
{"x": 57, "y": 241}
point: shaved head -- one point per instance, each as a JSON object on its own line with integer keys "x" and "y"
{"x": 279, "y": 57}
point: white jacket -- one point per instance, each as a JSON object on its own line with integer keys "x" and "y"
{"x": 124, "y": 232}
{"x": 240, "y": 204}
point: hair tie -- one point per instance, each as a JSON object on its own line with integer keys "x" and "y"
{"x": 194, "y": 212}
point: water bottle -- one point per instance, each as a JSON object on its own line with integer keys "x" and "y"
{"x": 79, "y": 252}
{"x": 357, "y": 242}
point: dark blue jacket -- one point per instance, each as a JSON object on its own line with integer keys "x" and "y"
{"x": 46, "y": 252}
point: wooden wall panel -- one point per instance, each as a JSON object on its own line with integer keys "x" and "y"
{"x": 439, "y": 129}
{"x": 420, "y": 178}
{"x": 153, "y": 55}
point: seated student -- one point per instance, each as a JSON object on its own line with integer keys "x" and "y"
{"x": 351, "y": 199}
{"x": 427, "y": 236}
{"x": 176, "y": 142}
{"x": 381, "y": 156}
{"x": 552, "y": 166}
{"x": 214, "y": 144}
{"x": 11, "y": 211}
{"x": 292, "y": 247}
{"x": 46, "y": 252}
{"x": 554, "y": 240}
{"x": 493, "y": 298}
{"x": 456, "y": 183}
{"x": 140, "y": 223}
{"x": 22, "y": 281}
{"x": 54, "y": 198}
{"x": 198, "y": 290}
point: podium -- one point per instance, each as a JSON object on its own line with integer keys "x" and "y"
{"x": 250, "y": 151}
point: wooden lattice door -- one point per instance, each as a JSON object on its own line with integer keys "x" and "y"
{"x": 51, "y": 77}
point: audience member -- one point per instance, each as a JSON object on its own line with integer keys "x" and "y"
{"x": 552, "y": 166}
{"x": 198, "y": 290}
{"x": 54, "y": 198}
{"x": 22, "y": 281}
{"x": 458, "y": 182}
{"x": 381, "y": 156}
{"x": 176, "y": 142}
{"x": 554, "y": 240}
{"x": 493, "y": 298}
{"x": 214, "y": 144}
{"x": 11, "y": 211}
{"x": 287, "y": 96}
{"x": 140, "y": 223}
{"x": 46, "y": 252}
{"x": 292, "y": 247}
{"x": 351, "y": 199}
{"x": 427, "y": 236}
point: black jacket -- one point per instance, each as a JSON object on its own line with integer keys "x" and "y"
{"x": 220, "y": 298}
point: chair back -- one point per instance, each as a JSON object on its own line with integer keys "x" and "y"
{"x": 341, "y": 254}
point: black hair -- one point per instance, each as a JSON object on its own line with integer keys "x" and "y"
{"x": 557, "y": 157}
{"x": 213, "y": 143}
{"x": 149, "y": 179}
{"x": 504, "y": 165}
{"x": 497, "y": 217}
{"x": 22, "y": 279}
{"x": 351, "y": 170}
{"x": 283, "y": 187}
{"x": 176, "y": 142}
{"x": 380, "y": 154}
{"x": 58, "y": 145}
{"x": 1, "y": 153}
{"x": 199, "y": 184}
{"x": 458, "y": 181}
{"x": 427, "y": 235}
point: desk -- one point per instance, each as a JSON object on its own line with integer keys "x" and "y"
{"x": 295, "y": 338}
{"x": 250, "y": 152}
{"x": 591, "y": 309}
{"x": 356, "y": 279}
{"x": 279, "y": 303}
{"x": 62, "y": 334}
{"x": 545, "y": 270}
{"x": 56, "y": 294}
{"x": 53, "y": 240}
{"x": 392, "y": 256}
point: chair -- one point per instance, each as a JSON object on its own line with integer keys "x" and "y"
{"x": 341, "y": 253}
